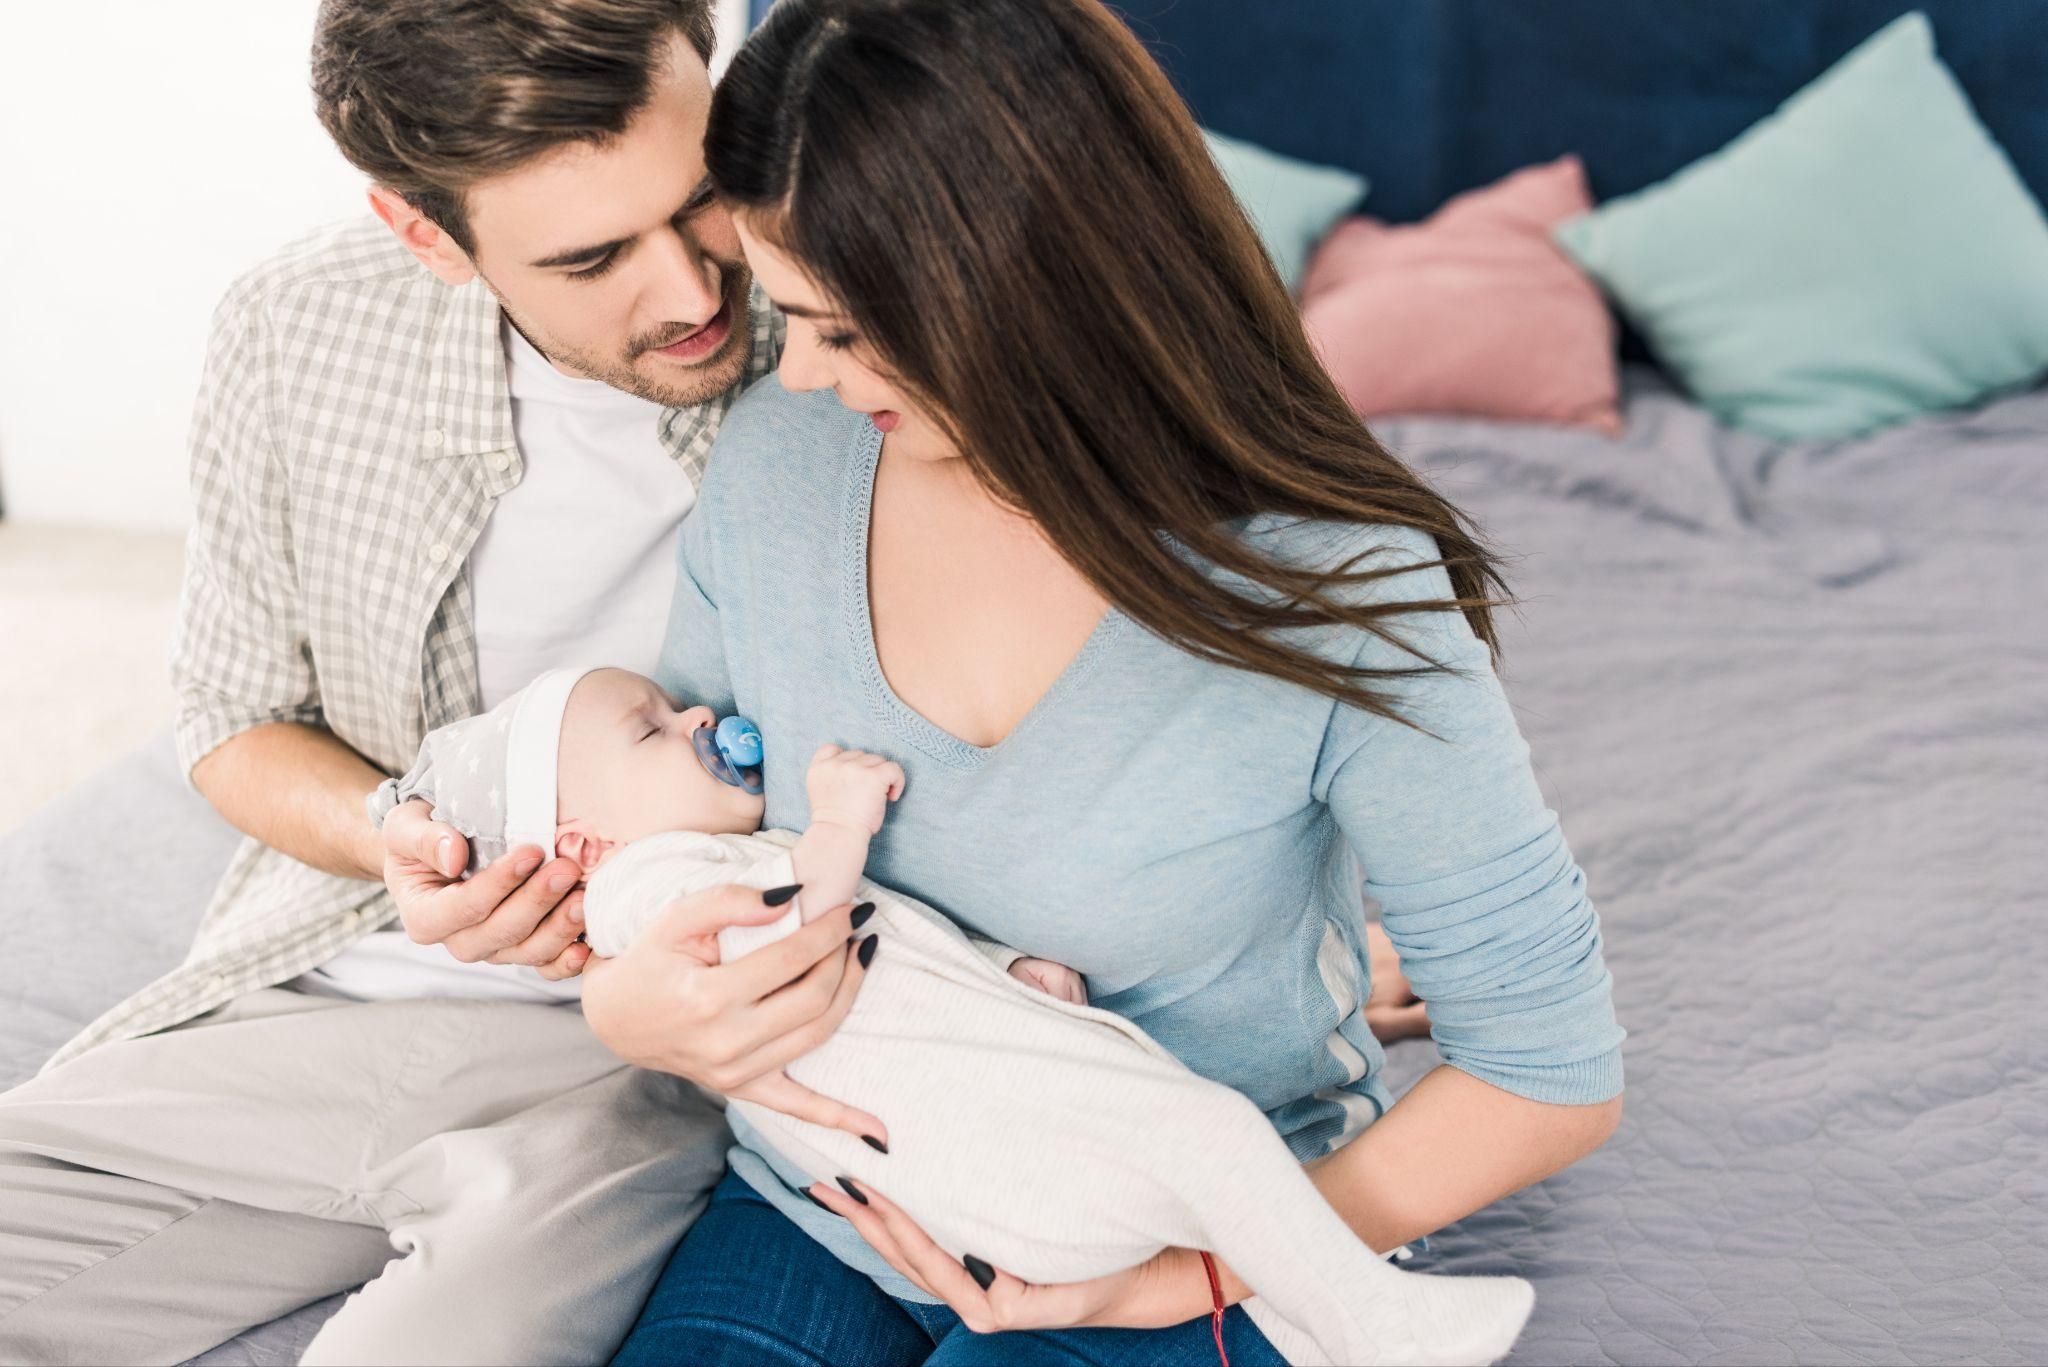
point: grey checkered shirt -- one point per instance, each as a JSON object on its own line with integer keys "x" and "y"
{"x": 353, "y": 426}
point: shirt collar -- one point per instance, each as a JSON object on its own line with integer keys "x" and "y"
{"x": 469, "y": 403}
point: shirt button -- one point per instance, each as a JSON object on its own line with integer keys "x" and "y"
{"x": 438, "y": 553}
{"x": 501, "y": 461}
{"x": 434, "y": 439}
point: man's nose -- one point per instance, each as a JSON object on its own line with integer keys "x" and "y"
{"x": 690, "y": 282}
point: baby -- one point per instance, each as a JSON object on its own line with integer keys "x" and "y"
{"x": 965, "y": 1046}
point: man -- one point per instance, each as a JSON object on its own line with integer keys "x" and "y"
{"x": 415, "y": 490}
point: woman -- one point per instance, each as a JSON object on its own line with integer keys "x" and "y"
{"x": 1167, "y": 643}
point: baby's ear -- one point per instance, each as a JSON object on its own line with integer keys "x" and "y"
{"x": 587, "y": 848}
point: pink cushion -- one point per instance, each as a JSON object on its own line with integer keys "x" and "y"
{"x": 1472, "y": 311}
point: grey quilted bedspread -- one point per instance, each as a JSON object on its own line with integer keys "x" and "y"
{"x": 1793, "y": 705}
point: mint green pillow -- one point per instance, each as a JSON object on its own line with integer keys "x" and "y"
{"x": 1865, "y": 254}
{"x": 1292, "y": 203}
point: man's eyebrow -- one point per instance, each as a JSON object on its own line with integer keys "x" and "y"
{"x": 584, "y": 256}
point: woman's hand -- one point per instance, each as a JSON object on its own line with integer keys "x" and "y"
{"x": 517, "y": 911}
{"x": 668, "y": 1003}
{"x": 1392, "y": 1011}
{"x": 1169, "y": 1289}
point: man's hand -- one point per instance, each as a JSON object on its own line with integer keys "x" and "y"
{"x": 852, "y": 787}
{"x": 668, "y": 1003}
{"x": 1393, "y": 1011}
{"x": 514, "y": 912}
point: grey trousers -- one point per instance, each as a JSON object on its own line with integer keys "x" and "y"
{"x": 160, "y": 1195}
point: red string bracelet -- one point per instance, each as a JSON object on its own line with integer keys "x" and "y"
{"x": 1216, "y": 1298}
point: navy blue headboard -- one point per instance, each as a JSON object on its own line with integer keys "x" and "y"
{"x": 1431, "y": 97}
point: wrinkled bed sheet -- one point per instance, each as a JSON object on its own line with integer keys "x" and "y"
{"x": 1793, "y": 705}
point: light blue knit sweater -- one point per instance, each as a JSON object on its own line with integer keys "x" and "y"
{"x": 1188, "y": 836}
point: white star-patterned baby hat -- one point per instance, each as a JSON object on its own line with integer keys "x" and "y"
{"x": 493, "y": 776}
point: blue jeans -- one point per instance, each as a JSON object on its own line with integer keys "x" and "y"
{"x": 746, "y": 1287}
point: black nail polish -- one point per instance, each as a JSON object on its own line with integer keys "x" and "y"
{"x": 866, "y": 952}
{"x": 775, "y": 897}
{"x": 861, "y": 914}
{"x": 819, "y": 1204}
{"x": 846, "y": 1185}
{"x": 877, "y": 1145}
{"x": 984, "y": 1275}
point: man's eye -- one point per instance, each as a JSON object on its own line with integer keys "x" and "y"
{"x": 837, "y": 341}
{"x": 596, "y": 268}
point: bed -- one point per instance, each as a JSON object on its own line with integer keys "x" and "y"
{"x": 1791, "y": 700}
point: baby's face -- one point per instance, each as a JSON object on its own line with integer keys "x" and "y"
{"x": 627, "y": 769}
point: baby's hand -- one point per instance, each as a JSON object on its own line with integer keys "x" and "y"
{"x": 852, "y": 787}
{"x": 1055, "y": 980}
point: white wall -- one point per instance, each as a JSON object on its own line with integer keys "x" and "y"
{"x": 149, "y": 151}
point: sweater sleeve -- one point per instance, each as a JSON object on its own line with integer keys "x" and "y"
{"x": 1478, "y": 890}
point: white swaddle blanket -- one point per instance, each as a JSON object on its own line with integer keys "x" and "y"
{"x": 1060, "y": 1142}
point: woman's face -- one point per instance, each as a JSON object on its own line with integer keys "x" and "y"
{"x": 825, "y": 351}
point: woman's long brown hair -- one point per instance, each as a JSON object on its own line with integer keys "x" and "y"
{"x": 1018, "y": 213}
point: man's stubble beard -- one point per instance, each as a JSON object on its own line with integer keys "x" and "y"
{"x": 700, "y": 384}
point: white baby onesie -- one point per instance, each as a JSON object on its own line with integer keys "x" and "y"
{"x": 1060, "y": 1142}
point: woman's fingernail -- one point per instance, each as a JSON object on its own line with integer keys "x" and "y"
{"x": 576, "y": 912}
{"x": 861, "y": 914}
{"x": 866, "y": 952}
{"x": 877, "y": 1145}
{"x": 444, "y": 852}
{"x": 846, "y": 1185}
{"x": 562, "y": 881}
{"x": 984, "y": 1275}
{"x": 775, "y": 897}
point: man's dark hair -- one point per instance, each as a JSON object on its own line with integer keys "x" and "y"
{"x": 428, "y": 97}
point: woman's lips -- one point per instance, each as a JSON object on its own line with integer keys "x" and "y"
{"x": 705, "y": 341}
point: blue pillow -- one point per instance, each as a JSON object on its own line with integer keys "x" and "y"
{"x": 1293, "y": 203}
{"x": 1863, "y": 255}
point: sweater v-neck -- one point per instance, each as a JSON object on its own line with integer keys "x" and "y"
{"x": 906, "y": 721}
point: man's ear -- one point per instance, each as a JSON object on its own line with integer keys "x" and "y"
{"x": 424, "y": 238}
{"x": 585, "y": 848}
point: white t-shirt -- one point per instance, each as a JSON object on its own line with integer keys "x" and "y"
{"x": 576, "y": 565}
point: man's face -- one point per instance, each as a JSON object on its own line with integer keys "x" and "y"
{"x": 617, "y": 262}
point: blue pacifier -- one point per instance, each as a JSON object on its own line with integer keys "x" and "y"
{"x": 731, "y": 752}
